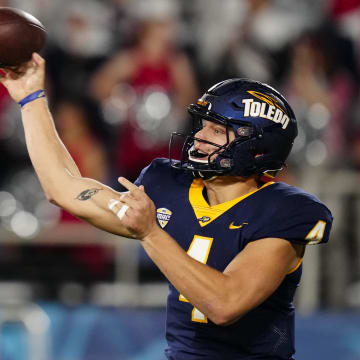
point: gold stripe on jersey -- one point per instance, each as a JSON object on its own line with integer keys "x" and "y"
{"x": 296, "y": 267}
{"x": 206, "y": 213}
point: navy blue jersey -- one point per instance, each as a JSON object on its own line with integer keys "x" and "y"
{"x": 215, "y": 235}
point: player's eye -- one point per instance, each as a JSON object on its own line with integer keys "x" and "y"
{"x": 219, "y": 131}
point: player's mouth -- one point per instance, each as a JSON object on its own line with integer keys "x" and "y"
{"x": 198, "y": 156}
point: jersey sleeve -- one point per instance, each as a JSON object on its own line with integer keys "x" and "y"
{"x": 300, "y": 219}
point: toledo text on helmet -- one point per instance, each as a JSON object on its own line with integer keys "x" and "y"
{"x": 268, "y": 110}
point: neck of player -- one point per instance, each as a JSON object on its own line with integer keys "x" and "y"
{"x": 225, "y": 188}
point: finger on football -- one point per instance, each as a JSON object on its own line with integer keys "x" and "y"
{"x": 37, "y": 58}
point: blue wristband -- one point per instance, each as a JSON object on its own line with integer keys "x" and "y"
{"x": 33, "y": 96}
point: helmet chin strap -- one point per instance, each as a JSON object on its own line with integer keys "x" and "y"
{"x": 204, "y": 176}
{"x": 212, "y": 178}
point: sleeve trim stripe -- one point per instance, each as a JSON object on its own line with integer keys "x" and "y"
{"x": 296, "y": 267}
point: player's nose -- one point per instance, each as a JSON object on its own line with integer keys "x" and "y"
{"x": 202, "y": 134}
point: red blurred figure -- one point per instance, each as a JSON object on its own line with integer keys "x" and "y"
{"x": 154, "y": 80}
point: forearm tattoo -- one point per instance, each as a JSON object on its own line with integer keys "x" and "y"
{"x": 87, "y": 194}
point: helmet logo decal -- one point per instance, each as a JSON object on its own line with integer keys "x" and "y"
{"x": 163, "y": 215}
{"x": 267, "y": 98}
{"x": 269, "y": 109}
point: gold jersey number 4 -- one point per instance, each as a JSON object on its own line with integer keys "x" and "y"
{"x": 316, "y": 234}
{"x": 199, "y": 250}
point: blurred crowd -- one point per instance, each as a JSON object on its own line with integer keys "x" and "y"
{"x": 122, "y": 72}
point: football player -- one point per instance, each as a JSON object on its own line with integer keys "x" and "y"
{"x": 229, "y": 241}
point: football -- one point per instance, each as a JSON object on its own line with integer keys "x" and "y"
{"x": 21, "y": 34}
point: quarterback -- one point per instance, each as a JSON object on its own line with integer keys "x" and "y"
{"x": 229, "y": 241}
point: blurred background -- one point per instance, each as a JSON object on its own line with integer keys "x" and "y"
{"x": 120, "y": 75}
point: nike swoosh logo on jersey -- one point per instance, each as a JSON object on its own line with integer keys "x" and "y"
{"x": 234, "y": 227}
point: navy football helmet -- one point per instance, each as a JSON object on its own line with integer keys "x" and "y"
{"x": 263, "y": 123}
